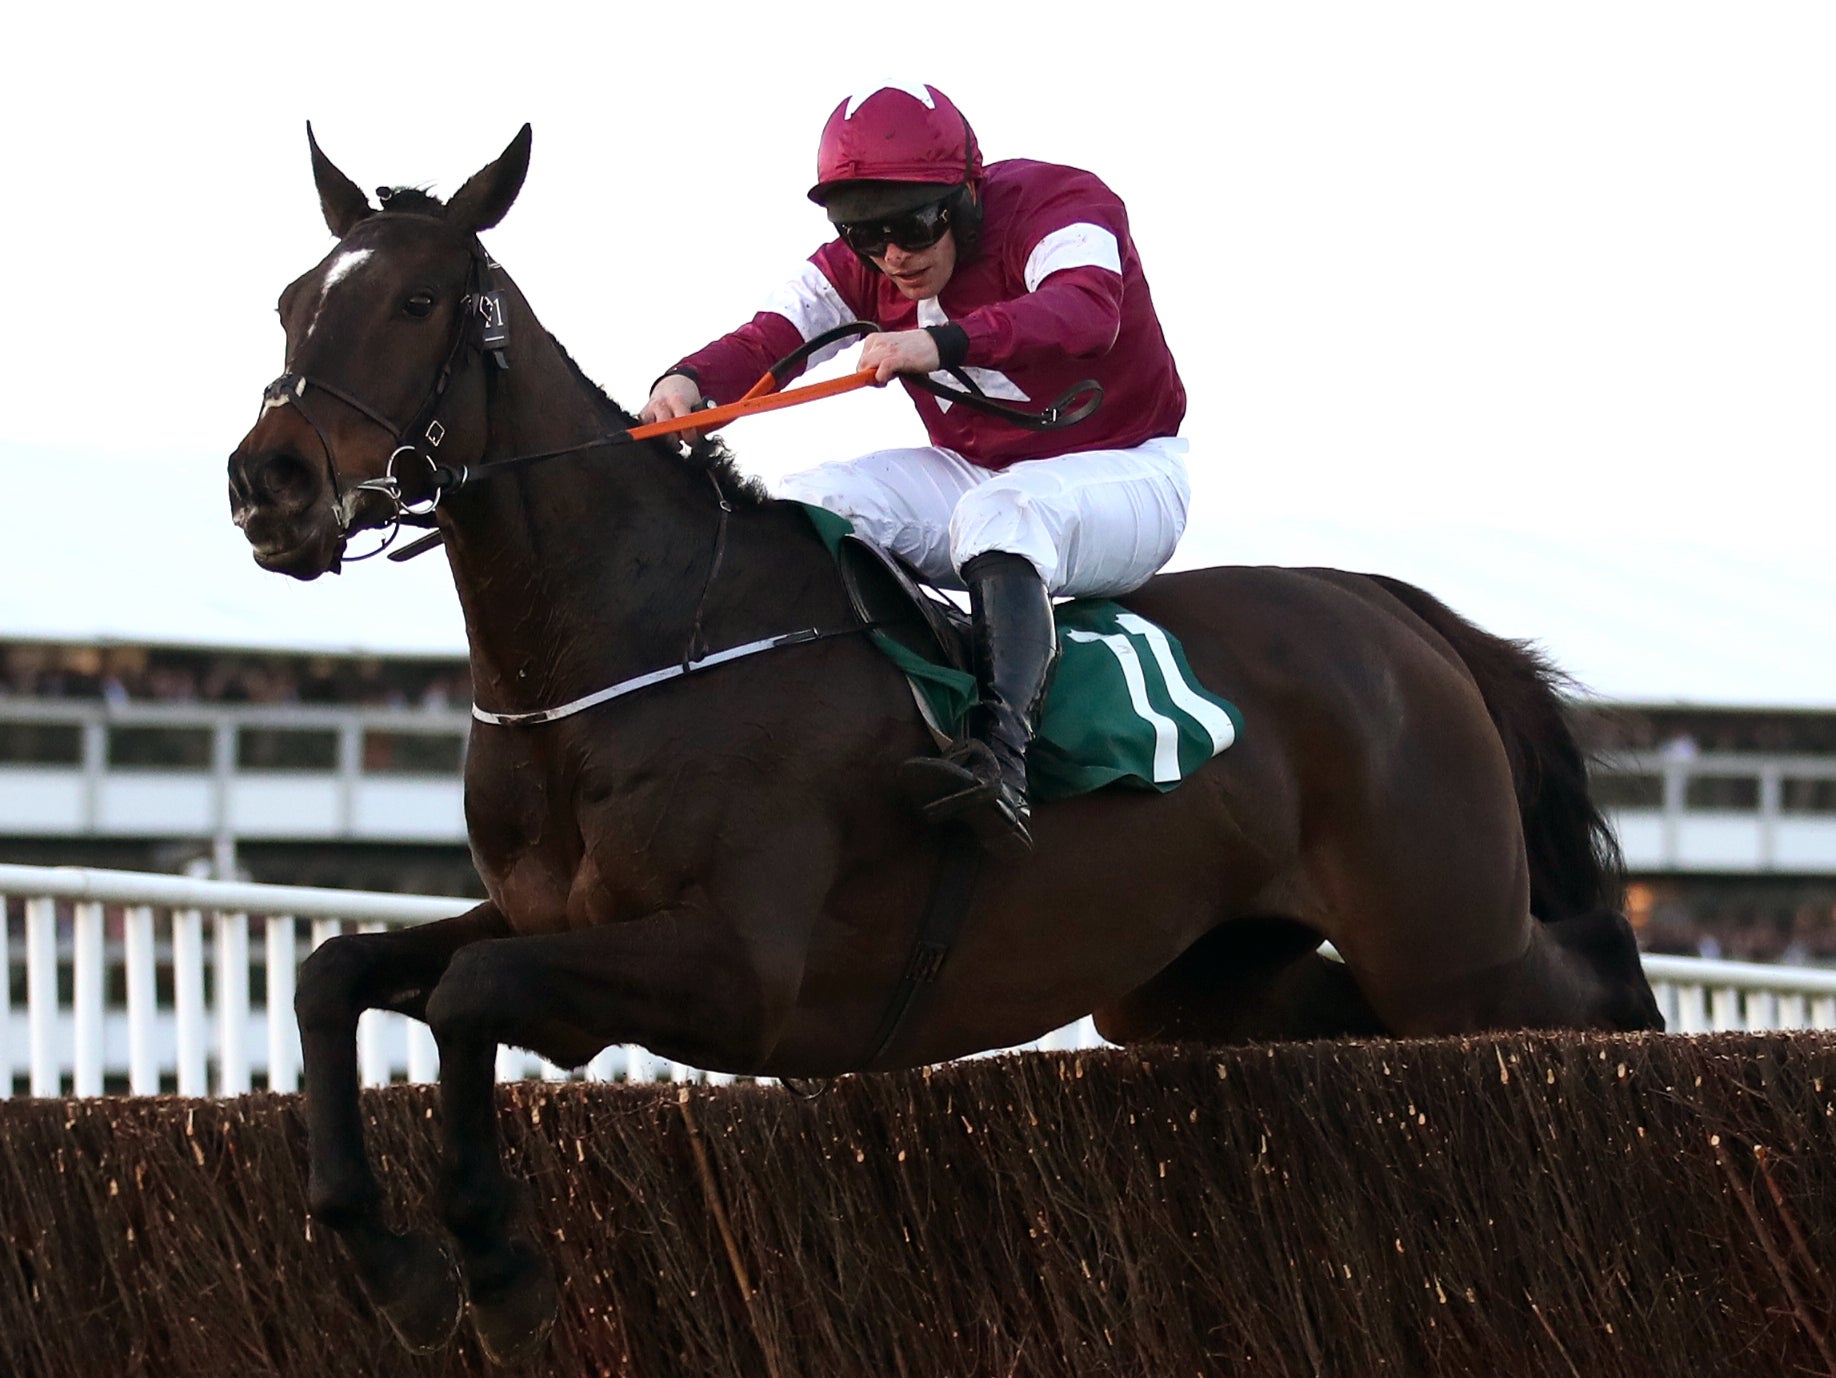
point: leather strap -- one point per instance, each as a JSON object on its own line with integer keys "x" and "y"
{"x": 959, "y": 863}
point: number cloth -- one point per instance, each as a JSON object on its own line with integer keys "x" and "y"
{"x": 1124, "y": 707}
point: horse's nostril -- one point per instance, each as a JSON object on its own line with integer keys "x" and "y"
{"x": 286, "y": 479}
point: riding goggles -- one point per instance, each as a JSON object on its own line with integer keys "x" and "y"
{"x": 912, "y": 231}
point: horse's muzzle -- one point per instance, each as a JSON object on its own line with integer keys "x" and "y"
{"x": 283, "y": 505}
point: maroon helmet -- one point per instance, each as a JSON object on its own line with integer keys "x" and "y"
{"x": 891, "y": 150}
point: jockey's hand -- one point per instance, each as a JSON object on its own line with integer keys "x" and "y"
{"x": 900, "y": 351}
{"x": 675, "y": 394}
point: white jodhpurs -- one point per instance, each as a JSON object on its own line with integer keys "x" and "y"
{"x": 1096, "y": 523}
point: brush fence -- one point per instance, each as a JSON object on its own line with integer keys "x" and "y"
{"x": 1517, "y": 1206}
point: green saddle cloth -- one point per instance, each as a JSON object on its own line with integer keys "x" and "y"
{"x": 1124, "y": 707}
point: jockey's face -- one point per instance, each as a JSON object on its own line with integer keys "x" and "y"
{"x": 919, "y": 273}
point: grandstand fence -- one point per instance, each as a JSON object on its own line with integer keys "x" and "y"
{"x": 124, "y": 982}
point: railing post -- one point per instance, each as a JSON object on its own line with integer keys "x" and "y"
{"x": 41, "y": 994}
{"x": 6, "y": 1000}
{"x": 607, "y": 1064}
{"x": 188, "y": 999}
{"x": 1665, "y": 993}
{"x": 142, "y": 999}
{"x": 87, "y": 965}
{"x": 512, "y": 1064}
{"x": 1726, "y": 1004}
{"x": 232, "y": 1004}
{"x": 423, "y": 1053}
{"x": 1762, "y": 1011}
{"x": 283, "y": 1037}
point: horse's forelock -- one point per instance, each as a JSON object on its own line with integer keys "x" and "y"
{"x": 415, "y": 200}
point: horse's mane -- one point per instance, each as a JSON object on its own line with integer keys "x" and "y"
{"x": 709, "y": 454}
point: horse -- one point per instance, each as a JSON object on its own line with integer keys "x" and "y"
{"x": 722, "y": 866}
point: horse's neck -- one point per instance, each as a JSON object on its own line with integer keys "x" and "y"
{"x": 579, "y": 570}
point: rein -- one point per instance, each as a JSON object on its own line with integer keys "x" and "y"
{"x": 1073, "y": 405}
{"x": 1076, "y": 403}
{"x": 483, "y": 303}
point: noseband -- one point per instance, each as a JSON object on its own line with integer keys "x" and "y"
{"x": 483, "y": 327}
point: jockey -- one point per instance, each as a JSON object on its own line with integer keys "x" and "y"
{"x": 1022, "y": 276}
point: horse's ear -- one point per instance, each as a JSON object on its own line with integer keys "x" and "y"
{"x": 484, "y": 200}
{"x": 339, "y": 198}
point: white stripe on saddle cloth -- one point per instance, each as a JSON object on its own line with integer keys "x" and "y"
{"x": 1214, "y": 720}
{"x": 1200, "y": 709}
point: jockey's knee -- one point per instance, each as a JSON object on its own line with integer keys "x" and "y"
{"x": 1009, "y": 518}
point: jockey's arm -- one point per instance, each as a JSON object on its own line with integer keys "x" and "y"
{"x": 1075, "y": 313}
{"x": 797, "y": 311}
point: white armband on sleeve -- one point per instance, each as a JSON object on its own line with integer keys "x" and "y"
{"x": 1076, "y": 246}
{"x": 810, "y": 302}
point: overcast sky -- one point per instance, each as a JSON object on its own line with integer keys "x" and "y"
{"x": 1533, "y": 304}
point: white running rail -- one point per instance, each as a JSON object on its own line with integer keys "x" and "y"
{"x": 118, "y": 981}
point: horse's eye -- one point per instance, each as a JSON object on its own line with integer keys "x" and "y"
{"x": 419, "y": 305}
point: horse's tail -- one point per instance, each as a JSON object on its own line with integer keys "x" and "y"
{"x": 1575, "y": 863}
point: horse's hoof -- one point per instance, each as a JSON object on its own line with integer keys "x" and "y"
{"x": 515, "y": 1313}
{"x": 419, "y": 1293}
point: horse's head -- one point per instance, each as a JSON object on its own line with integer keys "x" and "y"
{"x": 384, "y": 374}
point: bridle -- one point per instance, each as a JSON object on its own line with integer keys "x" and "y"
{"x": 482, "y": 327}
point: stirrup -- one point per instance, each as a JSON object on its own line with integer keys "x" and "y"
{"x": 945, "y": 786}
{"x": 951, "y": 789}
{"x": 1001, "y": 827}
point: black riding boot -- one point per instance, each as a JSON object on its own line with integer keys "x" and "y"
{"x": 981, "y": 782}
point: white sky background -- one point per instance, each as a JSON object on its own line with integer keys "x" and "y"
{"x": 1534, "y": 305}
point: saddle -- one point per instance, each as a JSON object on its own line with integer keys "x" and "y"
{"x": 891, "y": 596}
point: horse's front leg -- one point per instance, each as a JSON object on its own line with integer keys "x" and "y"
{"x": 411, "y": 1278}
{"x": 681, "y": 981}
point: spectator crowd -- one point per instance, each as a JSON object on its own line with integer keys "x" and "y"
{"x": 183, "y": 675}
{"x": 1698, "y": 923}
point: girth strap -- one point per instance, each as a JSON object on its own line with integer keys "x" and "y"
{"x": 959, "y": 863}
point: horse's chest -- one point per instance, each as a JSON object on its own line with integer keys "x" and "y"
{"x": 576, "y": 849}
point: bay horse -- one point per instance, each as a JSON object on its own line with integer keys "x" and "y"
{"x": 722, "y": 867}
